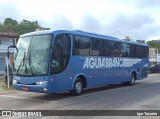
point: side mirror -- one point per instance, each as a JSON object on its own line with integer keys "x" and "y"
{"x": 9, "y": 76}
{"x": 11, "y": 47}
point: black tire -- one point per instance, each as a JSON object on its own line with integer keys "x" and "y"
{"x": 132, "y": 80}
{"x": 149, "y": 71}
{"x": 78, "y": 88}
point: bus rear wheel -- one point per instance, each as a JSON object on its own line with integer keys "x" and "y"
{"x": 78, "y": 88}
{"x": 132, "y": 79}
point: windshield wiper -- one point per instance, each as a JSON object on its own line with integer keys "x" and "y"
{"x": 22, "y": 61}
{"x": 30, "y": 64}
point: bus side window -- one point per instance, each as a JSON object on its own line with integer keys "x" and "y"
{"x": 97, "y": 47}
{"x": 116, "y": 49}
{"x": 125, "y": 50}
{"x": 81, "y": 45}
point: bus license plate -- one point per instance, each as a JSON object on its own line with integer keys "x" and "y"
{"x": 25, "y": 88}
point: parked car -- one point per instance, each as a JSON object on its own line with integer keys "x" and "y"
{"x": 155, "y": 68}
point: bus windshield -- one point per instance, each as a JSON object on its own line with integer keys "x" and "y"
{"x": 32, "y": 57}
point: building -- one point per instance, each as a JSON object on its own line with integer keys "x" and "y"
{"x": 6, "y": 39}
{"x": 153, "y": 53}
{"x": 127, "y": 38}
{"x": 140, "y": 41}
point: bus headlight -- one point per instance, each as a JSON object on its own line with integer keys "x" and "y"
{"x": 41, "y": 83}
{"x": 14, "y": 81}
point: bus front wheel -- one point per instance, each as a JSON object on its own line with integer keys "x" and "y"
{"x": 78, "y": 88}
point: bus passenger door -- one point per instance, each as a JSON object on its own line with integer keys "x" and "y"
{"x": 59, "y": 62}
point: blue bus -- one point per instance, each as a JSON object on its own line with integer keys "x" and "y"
{"x": 63, "y": 60}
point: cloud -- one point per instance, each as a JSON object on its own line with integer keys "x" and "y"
{"x": 60, "y": 22}
{"x": 89, "y": 23}
{"x": 137, "y": 26}
{"x": 140, "y": 4}
{"x": 138, "y": 19}
{"x": 7, "y": 10}
{"x": 147, "y": 3}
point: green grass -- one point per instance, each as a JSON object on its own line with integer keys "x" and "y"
{"x": 3, "y": 86}
{"x": 1, "y": 78}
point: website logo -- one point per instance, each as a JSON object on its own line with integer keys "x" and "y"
{"x": 6, "y": 113}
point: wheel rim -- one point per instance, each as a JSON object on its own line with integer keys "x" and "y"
{"x": 132, "y": 79}
{"x": 78, "y": 87}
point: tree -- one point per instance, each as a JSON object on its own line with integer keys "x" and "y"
{"x": 154, "y": 43}
{"x": 23, "y": 27}
{"x": 9, "y": 21}
{"x": 26, "y": 26}
{"x": 8, "y": 25}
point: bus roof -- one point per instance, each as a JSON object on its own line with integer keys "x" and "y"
{"x": 78, "y": 32}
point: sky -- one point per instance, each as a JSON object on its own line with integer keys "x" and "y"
{"x": 138, "y": 19}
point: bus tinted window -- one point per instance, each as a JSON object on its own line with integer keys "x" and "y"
{"x": 97, "y": 47}
{"x": 87, "y": 46}
{"x": 135, "y": 51}
{"x": 115, "y": 49}
{"x": 125, "y": 49}
{"x": 147, "y": 51}
{"x": 132, "y": 50}
{"x": 81, "y": 45}
{"x": 107, "y": 48}
{"x": 144, "y": 51}
{"x": 138, "y": 51}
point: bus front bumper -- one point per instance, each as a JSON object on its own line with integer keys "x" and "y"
{"x": 32, "y": 88}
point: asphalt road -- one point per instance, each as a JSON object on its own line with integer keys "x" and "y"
{"x": 144, "y": 95}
